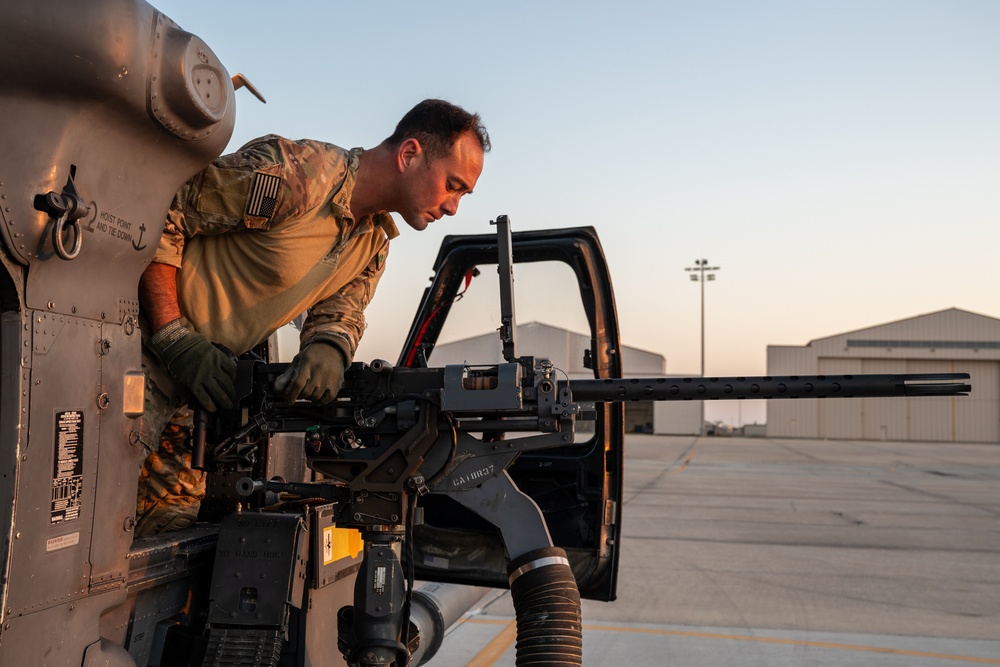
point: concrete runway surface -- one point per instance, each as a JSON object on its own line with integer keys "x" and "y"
{"x": 760, "y": 552}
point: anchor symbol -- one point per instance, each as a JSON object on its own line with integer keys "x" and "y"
{"x": 135, "y": 244}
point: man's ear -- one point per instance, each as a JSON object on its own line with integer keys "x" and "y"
{"x": 408, "y": 153}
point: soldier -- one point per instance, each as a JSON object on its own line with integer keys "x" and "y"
{"x": 258, "y": 237}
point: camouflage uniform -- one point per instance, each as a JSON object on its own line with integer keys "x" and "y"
{"x": 258, "y": 237}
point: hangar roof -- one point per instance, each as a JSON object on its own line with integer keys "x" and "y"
{"x": 948, "y": 325}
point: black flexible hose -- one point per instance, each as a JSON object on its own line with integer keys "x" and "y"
{"x": 547, "y": 606}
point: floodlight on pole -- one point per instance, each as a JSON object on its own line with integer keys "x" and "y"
{"x": 699, "y": 275}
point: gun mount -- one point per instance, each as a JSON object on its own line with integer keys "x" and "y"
{"x": 399, "y": 441}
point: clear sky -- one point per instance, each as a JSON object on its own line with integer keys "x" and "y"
{"x": 840, "y": 161}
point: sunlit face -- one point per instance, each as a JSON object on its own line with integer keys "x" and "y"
{"x": 433, "y": 187}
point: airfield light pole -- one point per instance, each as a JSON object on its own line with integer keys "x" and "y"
{"x": 698, "y": 275}
{"x": 700, "y": 267}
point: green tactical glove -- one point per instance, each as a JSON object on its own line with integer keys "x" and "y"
{"x": 203, "y": 368}
{"x": 316, "y": 374}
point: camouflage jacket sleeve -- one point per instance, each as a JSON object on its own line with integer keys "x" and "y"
{"x": 340, "y": 319}
{"x": 267, "y": 181}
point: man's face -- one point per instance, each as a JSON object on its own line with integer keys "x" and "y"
{"x": 433, "y": 187}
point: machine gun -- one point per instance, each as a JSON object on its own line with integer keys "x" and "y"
{"x": 399, "y": 440}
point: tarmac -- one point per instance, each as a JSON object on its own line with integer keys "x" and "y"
{"x": 774, "y": 552}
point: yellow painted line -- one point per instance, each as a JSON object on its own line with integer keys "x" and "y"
{"x": 685, "y": 464}
{"x": 745, "y": 638}
{"x": 487, "y": 621}
{"x": 496, "y": 648}
{"x": 687, "y": 460}
{"x": 799, "y": 642}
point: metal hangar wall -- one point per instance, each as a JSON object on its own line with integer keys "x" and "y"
{"x": 946, "y": 341}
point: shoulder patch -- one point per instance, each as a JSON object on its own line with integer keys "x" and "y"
{"x": 263, "y": 195}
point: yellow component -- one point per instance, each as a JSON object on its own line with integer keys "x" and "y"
{"x": 340, "y": 543}
{"x": 134, "y": 394}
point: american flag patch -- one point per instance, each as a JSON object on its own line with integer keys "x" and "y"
{"x": 263, "y": 195}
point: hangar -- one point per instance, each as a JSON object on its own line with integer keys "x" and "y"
{"x": 946, "y": 341}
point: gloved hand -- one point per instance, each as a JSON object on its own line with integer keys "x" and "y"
{"x": 203, "y": 368}
{"x": 316, "y": 374}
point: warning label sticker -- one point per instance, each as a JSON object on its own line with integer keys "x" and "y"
{"x": 328, "y": 545}
{"x": 62, "y": 542}
{"x": 67, "y": 473}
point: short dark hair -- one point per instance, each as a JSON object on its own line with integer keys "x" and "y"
{"x": 437, "y": 125}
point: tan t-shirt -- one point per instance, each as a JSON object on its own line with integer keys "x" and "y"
{"x": 266, "y": 233}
